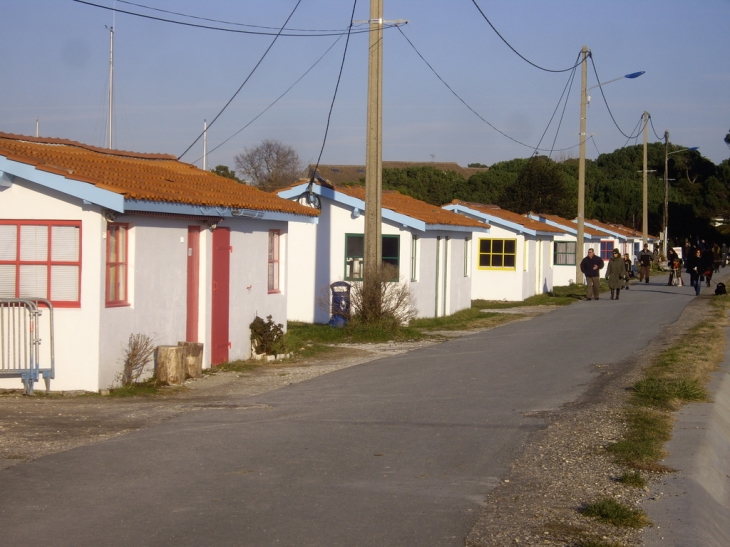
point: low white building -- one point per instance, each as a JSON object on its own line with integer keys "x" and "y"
{"x": 430, "y": 247}
{"x": 514, "y": 261}
{"x": 124, "y": 243}
{"x": 626, "y": 240}
{"x": 564, "y": 250}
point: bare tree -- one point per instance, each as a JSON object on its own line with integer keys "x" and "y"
{"x": 270, "y": 165}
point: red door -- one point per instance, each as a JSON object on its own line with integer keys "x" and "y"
{"x": 219, "y": 342}
{"x": 191, "y": 322}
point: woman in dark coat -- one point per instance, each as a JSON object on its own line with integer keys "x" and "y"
{"x": 694, "y": 268}
{"x": 707, "y": 264}
{"x": 615, "y": 274}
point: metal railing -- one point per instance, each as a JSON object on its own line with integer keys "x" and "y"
{"x": 21, "y": 354}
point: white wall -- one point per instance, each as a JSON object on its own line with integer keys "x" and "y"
{"x": 76, "y": 329}
{"x": 564, "y": 274}
{"x": 249, "y": 288}
{"x": 489, "y": 284}
{"x": 157, "y": 251}
{"x": 317, "y": 255}
{"x": 158, "y": 287}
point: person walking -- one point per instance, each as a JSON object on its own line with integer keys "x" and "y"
{"x": 628, "y": 270}
{"x": 716, "y": 257}
{"x": 723, "y": 251}
{"x": 694, "y": 266}
{"x": 615, "y": 274}
{"x": 672, "y": 264}
{"x": 645, "y": 258}
{"x": 591, "y": 267}
{"x": 707, "y": 261}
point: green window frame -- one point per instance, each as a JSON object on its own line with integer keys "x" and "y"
{"x": 497, "y": 254}
{"x": 355, "y": 254}
{"x": 564, "y": 253}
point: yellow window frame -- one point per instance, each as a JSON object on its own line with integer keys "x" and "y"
{"x": 497, "y": 254}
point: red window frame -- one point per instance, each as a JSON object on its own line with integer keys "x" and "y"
{"x": 273, "y": 262}
{"x": 117, "y": 265}
{"x": 49, "y": 263}
{"x": 606, "y": 249}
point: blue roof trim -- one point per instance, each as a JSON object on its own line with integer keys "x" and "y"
{"x": 81, "y": 190}
{"x": 201, "y": 210}
{"x": 609, "y": 232}
{"x": 567, "y": 229}
{"x": 339, "y": 197}
{"x": 451, "y": 228}
{"x": 479, "y": 215}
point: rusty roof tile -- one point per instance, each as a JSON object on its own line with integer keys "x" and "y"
{"x": 146, "y": 177}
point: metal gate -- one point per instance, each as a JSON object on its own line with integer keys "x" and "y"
{"x": 21, "y": 355}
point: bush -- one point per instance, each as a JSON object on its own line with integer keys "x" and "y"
{"x": 266, "y": 336}
{"x": 137, "y": 354}
{"x": 382, "y": 302}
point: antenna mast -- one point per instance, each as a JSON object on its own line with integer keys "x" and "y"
{"x": 111, "y": 84}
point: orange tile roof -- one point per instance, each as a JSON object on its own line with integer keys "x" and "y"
{"x": 414, "y": 208}
{"x": 509, "y": 216}
{"x": 138, "y": 176}
{"x": 621, "y": 229}
{"x": 571, "y": 224}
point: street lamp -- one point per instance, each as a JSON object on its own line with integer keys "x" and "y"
{"x": 582, "y": 161}
{"x": 665, "y": 220}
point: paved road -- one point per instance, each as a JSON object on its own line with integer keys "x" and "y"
{"x": 395, "y": 452}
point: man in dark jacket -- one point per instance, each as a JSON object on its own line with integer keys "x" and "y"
{"x": 645, "y": 259}
{"x": 591, "y": 267}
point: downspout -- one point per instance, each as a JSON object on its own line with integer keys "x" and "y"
{"x": 446, "y": 273}
{"x": 438, "y": 253}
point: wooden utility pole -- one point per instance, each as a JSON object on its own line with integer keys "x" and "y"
{"x": 374, "y": 147}
{"x": 645, "y": 210}
{"x": 582, "y": 165}
{"x": 665, "y": 218}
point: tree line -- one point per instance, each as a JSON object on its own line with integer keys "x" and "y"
{"x": 699, "y": 190}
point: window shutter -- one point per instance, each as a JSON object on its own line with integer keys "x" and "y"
{"x": 33, "y": 280}
{"x": 65, "y": 243}
{"x": 7, "y": 281}
{"x": 64, "y": 283}
{"x": 33, "y": 243}
{"x": 8, "y": 242}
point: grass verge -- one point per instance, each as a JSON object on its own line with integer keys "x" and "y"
{"x": 676, "y": 376}
{"x": 610, "y": 511}
{"x": 632, "y": 478}
{"x": 559, "y": 296}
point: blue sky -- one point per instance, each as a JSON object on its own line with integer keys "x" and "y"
{"x": 169, "y": 78}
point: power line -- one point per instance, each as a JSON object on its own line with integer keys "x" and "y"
{"x": 600, "y": 87}
{"x": 222, "y": 21}
{"x": 514, "y": 50}
{"x": 223, "y": 29}
{"x": 638, "y": 128}
{"x": 651, "y": 121}
{"x": 470, "y": 108}
{"x": 246, "y": 80}
{"x": 568, "y": 86}
{"x": 277, "y": 99}
{"x": 334, "y": 96}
